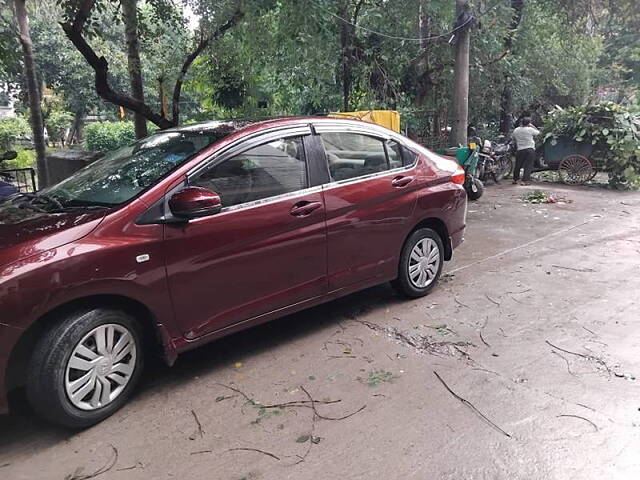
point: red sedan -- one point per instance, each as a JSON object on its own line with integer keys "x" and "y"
{"x": 194, "y": 233}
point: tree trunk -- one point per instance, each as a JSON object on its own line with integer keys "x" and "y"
{"x": 506, "y": 107}
{"x": 461, "y": 76}
{"x": 425, "y": 82}
{"x": 164, "y": 111}
{"x": 76, "y": 132}
{"x": 346, "y": 49}
{"x": 37, "y": 125}
{"x": 130, "y": 19}
{"x": 506, "y": 100}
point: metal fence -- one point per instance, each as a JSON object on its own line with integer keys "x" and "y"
{"x": 24, "y": 179}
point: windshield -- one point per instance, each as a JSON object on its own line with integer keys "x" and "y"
{"x": 124, "y": 173}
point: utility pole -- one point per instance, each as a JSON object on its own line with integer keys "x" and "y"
{"x": 464, "y": 21}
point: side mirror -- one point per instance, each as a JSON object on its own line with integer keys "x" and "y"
{"x": 195, "y": 202}
{"x": 10, "y": 155}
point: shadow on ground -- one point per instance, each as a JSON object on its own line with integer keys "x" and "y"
{"x": 23, "y": 426}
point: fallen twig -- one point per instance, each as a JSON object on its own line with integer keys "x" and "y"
{"x": 421, "y": 342}
{"x": 315, "y": 410}
{"x": 199, "y": 431}
{"x": 483, "y": 340}
{"x": 566, "y": 361}
{"x": 518, "y": 293}
{"x": 291, "y": 404}
{"x": 495, "y": 302}
{"x": 201, "y": 451}
{"x": 583, "y": 355}
{"x": 584, "y": 270}
{"x": 132, "y": 467}
{"x": 302, "y": 458}
{"x": 590, "y": 331}
{"x": 455, "y": 299}
{"x": 246, "y": 397}
{"x": 581, "y": 418}
{"x": 5, "y": 465}
{"x": 486, "y": 370}
{"x": 243, "y": 449}
{"x": 107, "y": 466}
{"x": 222, "y": 398}
{"x": 471, "y": 406}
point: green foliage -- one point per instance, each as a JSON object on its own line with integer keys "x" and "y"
{"x": 613, "y": 129}
{"x": 57, "y": 124}
{"x": 377, "y": 377}
{"x": 285, "y": 57}
{"x": 11, "y": 129}
{"x": 25, "y": 159}
{"x": 107, "y": 136}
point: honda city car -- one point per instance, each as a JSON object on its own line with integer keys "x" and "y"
{"x": 193, "y": 233}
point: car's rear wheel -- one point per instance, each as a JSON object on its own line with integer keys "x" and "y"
{"x": 85, "y": 367}
{"x": 421, "y": 263}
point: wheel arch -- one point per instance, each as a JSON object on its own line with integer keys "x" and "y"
{"x": 158, "y": 344}
{"x": 440, "y": 227}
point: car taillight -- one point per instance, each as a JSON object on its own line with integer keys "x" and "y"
{"x": 459, "y": 176}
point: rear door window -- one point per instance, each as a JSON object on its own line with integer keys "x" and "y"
{"x": 352, "y": 155}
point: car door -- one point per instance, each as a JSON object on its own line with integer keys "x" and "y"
{"x": 264, "y": 251}
{"x": 369, "y": 200}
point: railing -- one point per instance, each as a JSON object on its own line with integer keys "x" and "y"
{"x": 24, "y": 179}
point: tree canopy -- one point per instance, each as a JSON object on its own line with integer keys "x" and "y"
{"x": 203, "y": 58}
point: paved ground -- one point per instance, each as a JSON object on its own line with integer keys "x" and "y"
{"x": 536, "y": 326}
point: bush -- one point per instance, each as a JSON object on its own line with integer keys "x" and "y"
{"x": 106, "y": 136}
{"x": 11, "y": 129}
{"x": 612, "y": 128}
{"x": 25, "y": 159}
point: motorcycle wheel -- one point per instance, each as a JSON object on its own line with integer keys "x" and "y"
{"x": 475, "y": 189}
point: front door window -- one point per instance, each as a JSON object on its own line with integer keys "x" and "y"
{"x": 265, "y": 171}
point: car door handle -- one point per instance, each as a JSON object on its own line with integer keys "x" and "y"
{"x": 304, "y": 208}
{"x": 401, "y": 181}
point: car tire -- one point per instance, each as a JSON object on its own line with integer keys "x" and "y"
{"x": 425, "y": 244}
{"x": 86, "y": 367}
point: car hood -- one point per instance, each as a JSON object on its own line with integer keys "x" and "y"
{"x": 25, "y": 232}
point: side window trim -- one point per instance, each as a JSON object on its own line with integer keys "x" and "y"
{"x": 242, "y": 145}
{"x": 354, "y": 131}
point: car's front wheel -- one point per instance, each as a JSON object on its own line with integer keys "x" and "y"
{"x": 421, "y": 263}
{"x": 85, "y": 367}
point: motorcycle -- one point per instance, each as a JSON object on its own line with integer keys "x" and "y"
{"x": 495, "y": 162}
{"x": 468, "y": 157}
{"x": 7, "y": 188}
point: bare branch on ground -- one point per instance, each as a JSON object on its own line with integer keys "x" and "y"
{"x": 243, "y": 449}
{"x": 470, "y": 405}
{"x": 107, "y": 466}
{"x": 581, "y": 418}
